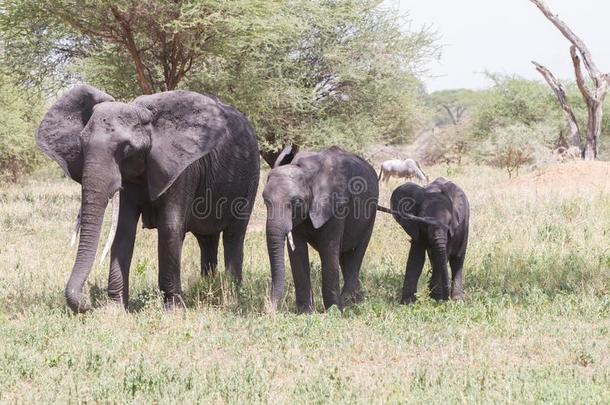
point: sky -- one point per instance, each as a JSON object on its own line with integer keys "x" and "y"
{"x": 504, "y": 36}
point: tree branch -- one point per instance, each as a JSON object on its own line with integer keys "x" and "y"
{"x": 453, "y": 119}
{"x": 560, "y": 93}
{"x": 580, "y": 79}
{"x": 144, "y": 83}
{"x": 572, "y": 37}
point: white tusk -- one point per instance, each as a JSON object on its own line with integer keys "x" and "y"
{"x": 290, "y": 241}
{"x": 116, "y": 201}
{"x": 76, "y": 230}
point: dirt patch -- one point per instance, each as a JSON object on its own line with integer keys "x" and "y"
{"x": 569, "y": 178}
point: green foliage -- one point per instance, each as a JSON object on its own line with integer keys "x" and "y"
{"x": 514, "y": 100}
{"x": 461, "y": 102}
{"x": 512, "y": 147}
{"x": 310, "y": 72}
{"x": 18, "y": 121}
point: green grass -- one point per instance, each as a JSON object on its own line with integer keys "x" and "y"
{"x": 534, "y": 327}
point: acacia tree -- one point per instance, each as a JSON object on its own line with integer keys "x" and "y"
{"x": 311, "y": 73}
{"x": 160, "y": 41}
{"x": 593, "y": 94}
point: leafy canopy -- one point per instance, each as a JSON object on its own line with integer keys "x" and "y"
{"x": 312, "y": 72}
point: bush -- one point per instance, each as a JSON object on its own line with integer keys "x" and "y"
{"x": 514, "y": 100}
{"x": 513, "y": 147}
{"x": 21, "y": 113}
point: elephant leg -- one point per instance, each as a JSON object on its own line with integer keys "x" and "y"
{"x": 415, "y": 265}
{"x": 208, "y": 244}
{"x": 299, "y": 264}
{"x": 457, "y": 267}
{"x": 233, "y": 243}
{"x": 439, "y": 282}
{"x": 351, "y": 262}
{"x": 170, "y": 251}
{"x": 122, "y": 251}
{"x": 330, "y": 277}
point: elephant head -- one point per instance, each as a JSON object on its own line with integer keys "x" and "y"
{"x": 437, "y": 208}
{"x": 309, "y": 188}
{"x": 102, "y": 144}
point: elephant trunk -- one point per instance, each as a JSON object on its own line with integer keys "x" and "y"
{"x": 439, "y": 259}
{"x": 276, "y": 240}
{"x": 93, "y": 205}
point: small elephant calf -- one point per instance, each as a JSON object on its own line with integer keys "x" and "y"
{"x": 436, "y": 217}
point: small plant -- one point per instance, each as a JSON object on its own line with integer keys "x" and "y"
{"x": 512, "y": 148}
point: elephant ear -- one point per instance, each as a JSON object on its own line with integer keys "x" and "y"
{"x": 286, "y": 156}
{"x": 458, "y": 204}
{"x": 328, "y": 186}
{"x": 407, "y": 199}
{"x": 185, "y": 127}
{"x": 59, "y": 133}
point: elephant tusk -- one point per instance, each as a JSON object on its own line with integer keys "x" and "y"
{"x": 116, "y": 201}
{"x": 76, "y": 230}
{"x": 290, "y": 241}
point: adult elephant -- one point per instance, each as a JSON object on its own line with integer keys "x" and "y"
{"x": 436, "y": 217}
{"x": 327, "y": 199}
{"x": 183, "y": 161}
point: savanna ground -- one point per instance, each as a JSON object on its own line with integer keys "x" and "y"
{"x": 534, "y": 327}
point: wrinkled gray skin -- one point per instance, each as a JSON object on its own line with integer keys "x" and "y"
{"x": 327, "y": 199}
{"x": 446, "y": 240}
{"x": 182, "y": 161}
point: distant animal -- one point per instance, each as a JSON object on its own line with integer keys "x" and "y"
{"x": 407, "y": 169}
{"x": 182, "y": 161}
{"x": 326, "y": 199}
{"x": 563, "y": 154}
{"x": 436, "y": 217}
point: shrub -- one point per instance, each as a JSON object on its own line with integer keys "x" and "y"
{"x": 513, "y": 147}
{"x": 21, "y": 113}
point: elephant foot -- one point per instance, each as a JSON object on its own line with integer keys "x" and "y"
{"x": 173, "y": 303}
{"x": 457, "y": 296}
{"x": 305, "y": 309}
{"x": 439, "y": 295}
{"x": 117, "y": 299}
{"x": 208, "y": 270}
{"x": 351, "y": 298}
{"x": 118, "y": 303}
{"x": 408, "y": 300}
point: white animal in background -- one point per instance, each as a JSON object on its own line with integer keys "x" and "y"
{"x": 407, "y": 169}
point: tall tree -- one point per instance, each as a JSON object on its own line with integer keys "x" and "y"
{"x": 593, "y": 94}
{"x": 308, "y": 72}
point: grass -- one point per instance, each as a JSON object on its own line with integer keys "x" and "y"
{"x": 534, "y": 327}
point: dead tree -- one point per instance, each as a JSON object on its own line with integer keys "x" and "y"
{"x": 560, "y": 93}
{"x": 593, "y": 95}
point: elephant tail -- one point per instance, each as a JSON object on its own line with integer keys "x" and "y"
{"x": 410, "y": 217}
{"x": 380, "y": 174}
{"x": 384, "y": 209}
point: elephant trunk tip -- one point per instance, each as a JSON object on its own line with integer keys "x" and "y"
{"x": 76, "y": 300}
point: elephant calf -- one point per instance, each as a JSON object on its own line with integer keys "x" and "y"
{"x": 327, "y": 199}
{"x": 436, "y": 218}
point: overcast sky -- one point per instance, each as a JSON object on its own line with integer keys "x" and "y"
{"x": 505, "y": 35}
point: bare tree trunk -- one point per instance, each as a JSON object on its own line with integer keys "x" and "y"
{"x": 143, "y": 82}
{"x": 558, "y": 89}
{"x": 594, "y": 97}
